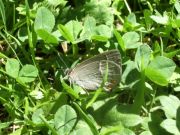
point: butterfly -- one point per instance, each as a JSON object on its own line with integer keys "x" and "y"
{"x": 89, "y": 74}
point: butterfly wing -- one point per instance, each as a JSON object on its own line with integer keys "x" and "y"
{"x": 90, "y": 73}
{"x": 112, "y": 55}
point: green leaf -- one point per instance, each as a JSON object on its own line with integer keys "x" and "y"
{"x": 92, "y": 124}
{"x": 23, "y": 34}
{"x": 142, "y": 57}
{"x": 99, "y": 38}
{"x": 147, "y": 18}
{"x": 130, "y": 120}
{"x": 28, "y": 73}
{"x": 172, "y": 53}
{"x": 170, "y": 105}
{"x": 160, "y": 70}
{"x": 146, "y": 133}
{"x": 131, "y": 40}
{"x": 89, "y": 28}
{"x": 81, "y": 129}
{"x": 114, "y": 114}
{"x": 44, "y": 20}
{"x": 127, "y": 119}
{"x": 157, "y": 49}
{"x": 104, "y": 30}
{"x": 170, "y": 126}
{"x": 64, "y": 119}
{"x": 12, "y": 67}
{"x": 74, "y": 27}
{"x": 66, "y": 33}
{"x": 36, "y": 116}
{"x": 119, "y": 39}
{"x": 47, "y": 37}
{"x": 126, "y": 131}
{"x": 69, "y": 90}
{"x": 160, "y": 19}
{"x": 177, "y": 6}
{"x": 130, "y": 75}
{"x": 100, "y": 11}
{"x": 3, "y": 55}
{"x": 178, "y": 118}
{"x": 132, "y": 19}
{"x": 89, "y": 24}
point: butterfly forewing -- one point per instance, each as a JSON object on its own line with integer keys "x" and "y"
{"x": 89, "y": 74}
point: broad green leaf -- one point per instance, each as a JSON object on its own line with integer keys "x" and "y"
{"x": 44, "y": 20}
{"x": 114, "y": 114}
{"x": 147, "y": 18}
{"x": 170, "y": 126}
{"x": 117, "y": 131}
{"x": 47, "y": 37}
{"x": 28, "y": 73}
{"x": 130, "y": 120}
{"x": 130, "y": 75}
{"x": 126, "y": 131}
{"x": 118, "y": 5}
{"x": 160, "y": 70}
{"x": 74, "y": 27}
{"x": 65, "y": 119}
{"x": 61, "y": 99}
{"x": 90, "y": 121}
{"x": 130, "y": 23}
{"x": 66, "y": 33}
{"x": 104, "y": 30}
{"x": 12, "y": 67}
{"x": 89, "y": 24}
{"x": 170, "y": 105}
{"x": 146, "y": 133}
{"x": 102, "y": 13}
{"x": 36, "y": 116}
{"x": 160, "y": 19}
{"x": 132, "y": 19}
{"x": 89, "y": 28}
{"x": 142, "y": 57}
{"x": 178, "y": 118}
{"x": 154, "y": 122}
{"x": 22, "y": 34}
{"x": 177, "y": 6}
{"x": 131, "y": 40}
{"x": 81, "y": 129}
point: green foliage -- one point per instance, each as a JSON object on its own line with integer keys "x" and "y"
{"x": 40, "y": 40}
